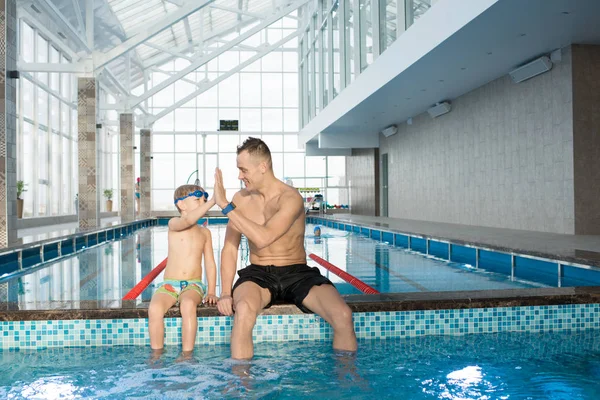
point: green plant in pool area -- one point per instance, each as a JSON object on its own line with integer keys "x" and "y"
{"x": 20, "y": 188}
{"x": 108, "y": 193}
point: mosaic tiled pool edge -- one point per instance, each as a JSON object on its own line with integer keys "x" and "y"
{"x": 276, "y": 328}
{"x": 521, "y": 266}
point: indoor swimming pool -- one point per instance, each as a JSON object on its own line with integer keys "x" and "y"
{"x": 491, "y": 366}
{"x": 108, "y": 271}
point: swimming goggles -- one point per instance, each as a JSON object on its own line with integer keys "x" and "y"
{"x": 198, "y": 193}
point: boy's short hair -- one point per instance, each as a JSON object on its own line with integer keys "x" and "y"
{"x": 183, "y": 191}
{"x": 256, "y": 147}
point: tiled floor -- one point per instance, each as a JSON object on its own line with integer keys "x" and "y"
{"x": 578, "y": 248}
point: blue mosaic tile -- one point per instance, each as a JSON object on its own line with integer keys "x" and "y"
{"x": 277, "y": 328}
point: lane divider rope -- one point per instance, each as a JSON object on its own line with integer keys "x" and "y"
{"x": 145, "y": 281}
{"x": 354, "y": 281}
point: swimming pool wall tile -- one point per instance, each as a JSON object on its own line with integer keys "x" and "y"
{"x": 418, "y": 244}
{"x": 304, "y": 327}
{"x": 495, "y": 261}
{"x": 545, "y": 272}
{"x": 401, "y": 240}
{"x": 573, "y": 276}
{"x": 439, "y": 249}
{"x": 463, "y": 254}
{"x": 375, "y": 234}
{"x": 387, "y": 237}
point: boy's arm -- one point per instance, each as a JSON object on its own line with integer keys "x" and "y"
{"x": 191, "y": 218}
{"x": 211, "y": 267}
{"x": 209, "y": 263}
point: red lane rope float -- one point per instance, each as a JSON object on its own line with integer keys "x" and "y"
{"x": 145, "y": 281}
{"x": 354, "y": 281}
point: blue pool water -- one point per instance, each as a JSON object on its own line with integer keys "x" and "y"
{"x": 487, "y": 366}
{"x": 108, "y": 271}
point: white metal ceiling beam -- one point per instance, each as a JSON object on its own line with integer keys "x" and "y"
{"x": 208, "y": 85}
{"x": 89, "y": 23}
{"x": 77, "y": 11}
{"x": 178, "y": 3}
{"x": 237, "y": 11}
{"x": 173, "y": 73}
{"x": 50, "y": 67}
{"x": 169, "y": 51}
{"x": 101, "y": 60}
{"x": 64, "y": 22}
{"x": 203, "y": 60}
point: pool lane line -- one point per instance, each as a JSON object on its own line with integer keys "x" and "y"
{"x": 409, "y": 281}
{"x": 354, "y": 281}
{"x": 145, "y": 281}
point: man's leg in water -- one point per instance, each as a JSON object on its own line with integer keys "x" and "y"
{"x": 329, "y": 305}
{"x": 248, "y": 300}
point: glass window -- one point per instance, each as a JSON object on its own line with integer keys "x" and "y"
{"x": 55, "y": 181}
{"x": 290, "y": 143}
{"x": 336, "y": 169}
{"x": 277, "y": 159}
{"x": 27, "y": 94}
{"x": 290, "y": 90}
{"x": 250, "y": 120}
{"x": 229, "y": 92}
{"x": 272, "y": 120}
{"x": 182, "y": 89}
{"x": 211, "y": 143}
{"x": 164, "y": 124}
{"x": 185, "y": 164}
{"x": 272, "y": 62}
{"x": 209, "y": 98}
{"x": 164, "y": 163}
{"x": 229, "y": 60}
{"x": 185, "y": 119}
{"x": 162, "y": 200}
{"x": 290, "y": 62}
{"x": 272, "y": 90}
{"x": 294, "y": 167}
{"x": 28, "y": 168}
{"x": 185, "y": 143}
{"x": 290, "y": 120}
{"x": 27, "y": 38}
{"x": 249, "y": 88}
{"x": 315, "y": 170}
{"x": 228, "y": 142}
{"x": 162, "y": 143}
{"x": 228, "y": 164}
{"x": 207, "y": 119}
{"x": 275, "y": 142}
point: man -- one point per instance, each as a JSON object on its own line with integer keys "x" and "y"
{"x": 271, "y": 216}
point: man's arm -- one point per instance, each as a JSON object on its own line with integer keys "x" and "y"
{"x": 228, "y": 267}
{"x": 290, "y": 208}
{"x": 210, "y": 265}
{"x": 229, "y": 258}
{"x": 191, "y": 218}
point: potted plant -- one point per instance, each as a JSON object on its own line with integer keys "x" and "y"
{"x": 108, "y": 193}
{"x": 20, "y": 189}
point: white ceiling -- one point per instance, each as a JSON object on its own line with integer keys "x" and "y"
{"x": 506, "y": 35}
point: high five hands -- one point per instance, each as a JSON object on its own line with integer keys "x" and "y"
{"x": 220, "y": 194}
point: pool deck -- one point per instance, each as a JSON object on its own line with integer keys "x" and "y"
{"x": 84, "y": 310}
{"x": 581, "y": 249}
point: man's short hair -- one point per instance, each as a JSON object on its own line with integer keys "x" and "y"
{"x": 256, "y": 148}
{"x": 183, "y": 191}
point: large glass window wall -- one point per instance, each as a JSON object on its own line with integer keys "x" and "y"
{"x": 341, "y": 39}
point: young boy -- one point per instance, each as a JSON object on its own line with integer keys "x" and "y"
{"x": 183, "y": 274}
